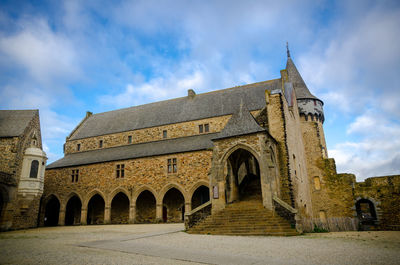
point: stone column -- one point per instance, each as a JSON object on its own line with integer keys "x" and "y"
{"x": 159, "y": 212}
{"x": 83, "y": 216}
{"x": 132, "y": 214}
{"x": 107, "y": 215}
{"x": 61, "y": 217}
{"x": 188, "y": 207}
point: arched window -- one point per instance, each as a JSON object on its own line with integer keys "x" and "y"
{"x": 317, "y": 183}
{"x": 34, "y": 169}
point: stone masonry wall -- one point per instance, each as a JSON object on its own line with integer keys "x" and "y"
{"x": 183, "y": 129}
{"x": 385, "y": 193}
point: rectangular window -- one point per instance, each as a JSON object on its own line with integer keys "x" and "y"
{"x": 78, "y": 147}
{"x": 129, "y": 139}
{"x": 172, "y": 165}
{"x": 201, "y": 128}
{"x": 101, "y": 144}
{"x": 164, "y": 134}
{"x": 120, "y": 171}
{"x": 206, "y": 127}
{"x": 75, "y": 175}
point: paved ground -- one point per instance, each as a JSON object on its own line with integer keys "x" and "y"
{"x": 166, "y": 244}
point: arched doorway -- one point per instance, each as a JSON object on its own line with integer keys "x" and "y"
{"x": 146, "y": 207}
{"x": 174, "y": 202}
{"x": 52, "y": 211}
{"x": 243, "y": 177}
{"x": 73, "y": 211}
{"x": 95, "y": 208}
{"x": 200, "y": 196}
{"x": 366, "y": 212}
{"x": 120, "y": 209}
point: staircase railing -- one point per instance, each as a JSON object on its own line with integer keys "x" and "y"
{"x": 197, "y": 214}
{"x": 286, "y": 211}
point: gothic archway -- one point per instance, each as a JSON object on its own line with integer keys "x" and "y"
{"x": 146, "y": 207}
{"x": 95, "y": 214}
{"x": 243, "y": 176}
{"x": 52, "y": 211}
{"x": 73, "y": 211}
{"x": 174, "y": 203}
{"x": 200, "y": 196}
{"x": 120, "y": 209}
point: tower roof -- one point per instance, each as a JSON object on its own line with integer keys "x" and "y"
{"x": 300, "y": 87}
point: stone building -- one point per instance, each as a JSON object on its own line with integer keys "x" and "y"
{"x": 211, "y": 153}
{"x": 22, "y": 166}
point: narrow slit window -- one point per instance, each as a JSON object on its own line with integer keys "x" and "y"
{"x": 169, "y": 165}
{"x": 174, "y": 166}
{"x": 34, "y": 169}
{"x": 206, "y": 127}
{"x": 101, "y": 144}
{"x": 78, "y": 147}
{"x": 164, "y": 132}
{"x": 201, "y": 128}
{"x": 129, "y": 139}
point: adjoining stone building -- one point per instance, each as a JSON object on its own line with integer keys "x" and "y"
{"x": 158, "y": 162}
{"x": 22, "y": 166}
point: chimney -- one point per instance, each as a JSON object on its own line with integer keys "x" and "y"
{"x": 191, "y": 93}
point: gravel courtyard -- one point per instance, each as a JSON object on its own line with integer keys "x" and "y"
{"x": 167, "y": 244}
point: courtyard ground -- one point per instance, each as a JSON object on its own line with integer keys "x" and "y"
{"x": 167, "y": 244}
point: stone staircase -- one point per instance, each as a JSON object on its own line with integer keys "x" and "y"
{"x": 247, "y": 217}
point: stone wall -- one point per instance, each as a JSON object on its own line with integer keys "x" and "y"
{"x": 183, "y": 129}
{"x": 384, "y": 192}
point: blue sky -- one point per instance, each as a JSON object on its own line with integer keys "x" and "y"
{"x": 69, "y": 57}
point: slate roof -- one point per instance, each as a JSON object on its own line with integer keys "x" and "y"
{"x": 200, "y": 106}
{"x": 299, "y": 85}
{"x": 241, "y": 123}
{"x": 163, "y": 147}
{"x": 14, "y": 122}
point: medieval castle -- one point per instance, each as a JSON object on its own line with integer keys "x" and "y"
{"x": 255, "y": 151}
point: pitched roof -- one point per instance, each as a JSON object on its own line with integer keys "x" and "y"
{"x": 163, "y": 147}
{"x": 200, "y": 106}
{"x": 241, "y": 123}
{"x": 299, "y": 85}
{"x": 14, "y": 122}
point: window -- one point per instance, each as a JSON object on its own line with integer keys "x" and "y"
{"x": 206, "y": 127}
{"x": 317, "y": 183}
{"x": 203, "y": 128}
{"x": 78, "y": 147}
{"x": 34, "y": 169}
{"x": 129, "y": 139}
{"x": 172, "y": 167}
{"x": 164, "y": 134}
{"x": 75, "y": 175}
{"x": 101, "y": 144}
{"x": 120, "y": 171}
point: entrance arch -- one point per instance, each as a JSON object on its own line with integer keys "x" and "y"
{"x": 243, "y": 176}
{"x": 52, "y": 211}
{"x": 146, "y": 207}
{"x": 73, "y": 211}
{"x": 95, "y": 213}
{"x": 200, "y": 196}
{"x": 120, "y": 209}
{"x": 366, "y": 212}
{"x": 174, "y": 203}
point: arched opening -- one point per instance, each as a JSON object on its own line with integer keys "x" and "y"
{"x": 174, "y": 202}
{"x": 366, "y": 212}
{"x": 120, "y": 209}
{"x": 146, "y": 207}
{"x": 95, "y": 214}
{"x": 52, "y": 211}
{"x": 243, "y": 178}
{"x": 73, "y": 211}
{"x": 200, "y": 196}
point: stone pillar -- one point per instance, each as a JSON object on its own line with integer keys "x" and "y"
{"x": 61, "y": 217}
{"x": 107, "y": 215}
{"x": 159, "y": 212}
{"x": 132, "y": 214}
{"x": 234, "y": 187}
{"x": 83, "y": 216}
{"x": 188, "y": 206}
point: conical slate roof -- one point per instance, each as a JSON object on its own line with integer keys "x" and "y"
{"x": 241, "y": 123}
{"x": 299, "y": 85}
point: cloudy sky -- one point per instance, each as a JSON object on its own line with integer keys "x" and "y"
{"x": 68, "y": 57}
